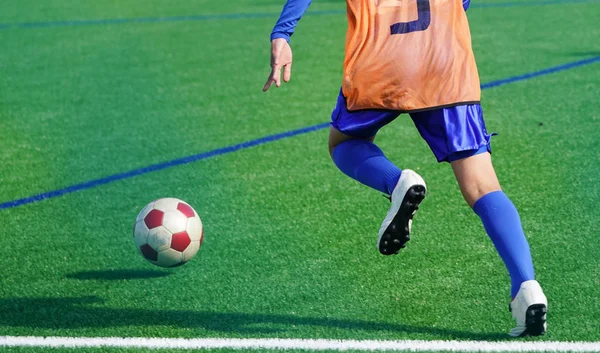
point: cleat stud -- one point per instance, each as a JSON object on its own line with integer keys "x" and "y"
{"x": 396, "y": 241}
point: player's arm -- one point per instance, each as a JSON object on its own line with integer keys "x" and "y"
{"x": 281, "y": 53}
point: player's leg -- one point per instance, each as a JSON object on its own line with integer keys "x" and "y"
{"x": 362, "y": 160}
{"x": 476, "y": 176}
{"x": 458, "y": 135}
{"x": 353, "y": 151}
{"x": 481, "y": 189}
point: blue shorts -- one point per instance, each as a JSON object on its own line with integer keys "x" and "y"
{"x": 452, "y": 133}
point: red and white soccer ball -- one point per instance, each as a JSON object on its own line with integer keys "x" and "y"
{"x": 168, "y": 232}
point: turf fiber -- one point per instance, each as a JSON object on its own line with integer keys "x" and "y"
{"x": 289, "y": 248}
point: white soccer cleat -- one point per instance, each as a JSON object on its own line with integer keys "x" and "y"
{"x": 529, "y": 310}
{"x": 406, "y": 197}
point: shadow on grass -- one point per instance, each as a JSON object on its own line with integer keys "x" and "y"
{"x": 113, "y": 275}
{"x": 76, "y": 313}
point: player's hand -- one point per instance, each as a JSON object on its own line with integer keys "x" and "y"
{"x": 281, "y": 57}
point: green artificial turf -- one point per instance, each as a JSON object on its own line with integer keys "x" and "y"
{"x": 289, "y": 248}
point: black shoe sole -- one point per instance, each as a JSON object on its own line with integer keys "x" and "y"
{"x": 535, "y": 320}
{"x": 397, "y": 233}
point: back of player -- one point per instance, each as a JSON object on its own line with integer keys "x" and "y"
{"x": 408, "y": 55}
{"x": 415, "y": 56}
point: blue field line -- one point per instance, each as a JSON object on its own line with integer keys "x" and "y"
{"x": 234, "y": 16}
{"x": 190, "y": 18}
{"x": 112, "y": 21}
{"x": 161, "y": 166}
{"x": 251, "y": 143}
{"x": 540, "y": 73}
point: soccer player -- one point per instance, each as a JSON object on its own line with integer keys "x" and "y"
{"x": 415, "y": 57}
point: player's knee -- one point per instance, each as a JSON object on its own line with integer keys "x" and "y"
{"x": 331, "y": 149}
{"x": 475, "y": 191}
{"x": 476, "y": 177}
{"x": 335, "y": 138}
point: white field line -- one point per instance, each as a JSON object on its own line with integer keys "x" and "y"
{"x": 305, "y": 344}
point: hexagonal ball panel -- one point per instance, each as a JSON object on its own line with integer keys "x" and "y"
{"x": 159, "y": 238}
{"x": 169, "y": 258}
{"x": 191, "y": 251}
{"x": 166, "y": 204}
{"x": 175, "y": 222}
{"x": 154, "y": 219}
{"x": 186, "y": 209}
{"x": 149, "y": 253}
{"x": 180, "y": 241}
{"x": 140, "y": 233}
{"x": 194, "y": 228}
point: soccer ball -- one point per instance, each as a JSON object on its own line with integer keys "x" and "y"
{"x": 168, "y": 232}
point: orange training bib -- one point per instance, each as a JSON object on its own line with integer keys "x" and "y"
{"x": 408, "y": 55}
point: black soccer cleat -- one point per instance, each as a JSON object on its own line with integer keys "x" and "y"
{"x": 529, "y": 310}
{"x": 535, "y": 320}
{"x": 406, "y": 197}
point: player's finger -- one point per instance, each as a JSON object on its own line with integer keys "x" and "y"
{"x": 277, "y": 75}
{"x": 268, "y": 84}
{"x": 270, "y": 80}
{"x": 275, "y": 78}
{"x": 287, "y": 72}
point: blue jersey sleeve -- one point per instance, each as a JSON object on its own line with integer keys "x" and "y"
{"x": 466, "y": 4}
{"x": 291, "y": 14}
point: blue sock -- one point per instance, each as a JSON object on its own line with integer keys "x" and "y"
{"x": 363, "y": 161}
{"x": 503, "y": 225}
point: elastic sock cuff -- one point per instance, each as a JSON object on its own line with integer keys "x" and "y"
{"x": 481, "y": 206}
